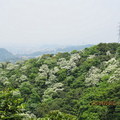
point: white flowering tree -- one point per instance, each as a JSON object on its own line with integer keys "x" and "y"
{"x": 51, "y": 90}
{"x": 4, "y": 80}
{"x": 43, "y": 75}
{"x": 11, "y": 66}
{"x": 44, "y": 70}
{"x": 70, "y": 64}
{"x": 62, "y": 63}
{"x": 24, "y": 68}
{"x": 93, "y": 76}
{"x": 108, "y": 53}
{"x": 115, "y": 76}
{"x": 75, "y": 57}
{"x": 52, "y": 79}
{"x": 22, "y": 78}
{"x": 110, "y": 66}
{"x": 54, "y": 70}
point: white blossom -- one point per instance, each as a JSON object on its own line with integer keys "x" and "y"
{"x": 24, "y": 68}
{"x": 110, "y": 66}
{"x": 2, "y": 73}
{"x": 55, "y": 70}
{"x": 3, "y": 79}
{"x": 28, "y": 116}
{"x": 51, "y": 90}
{"x": 58, "y": 87}
{"x": 108, "y": 53}
{"x": 44, "y": 68}
{"x": 75, "y": 57}
{"x": 62, "y": 63}
{"x": 11, "y": 66}
{"x": 52, "y": 78}
{"x": 70, "y": 64}
{"x": 91, "y": 56}
{"x": 111, "y": 61}
{"x": 23, "y": 78}
{"x": 115, "y": 76}
{"x": 93, "y": 76}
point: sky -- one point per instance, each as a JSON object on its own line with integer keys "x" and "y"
{"x": 30, "y": 23}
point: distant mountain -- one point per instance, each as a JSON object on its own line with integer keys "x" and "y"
{"x": 70, "y": 48}
{"x": 56, "y": 50}
{"x": 6, "y": 56}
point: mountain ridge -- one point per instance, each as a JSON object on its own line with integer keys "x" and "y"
{"x": 58, "y": 49}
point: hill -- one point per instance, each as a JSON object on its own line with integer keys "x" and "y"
{"x": 80, "y": 85}
{"x": 6, "y": 55}
{"x": 56, "y": 50}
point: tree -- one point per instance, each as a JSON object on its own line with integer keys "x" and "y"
{"x": 10, "y": 104}
{"x": 57, "y": 115}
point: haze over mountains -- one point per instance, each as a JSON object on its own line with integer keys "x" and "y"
{"x": 6, "y": 55}
{"x": 54, "y": 50}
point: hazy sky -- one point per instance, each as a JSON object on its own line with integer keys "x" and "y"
{"x": 64, "y": 22}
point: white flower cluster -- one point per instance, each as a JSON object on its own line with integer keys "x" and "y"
{"x": 44, "y": 71}
{"x": 23, "y": 78}
{"x": 108, "y": 53}
{"x": 58, "y": 87}
{"x": 44, "y": 68}
{"x": 62, "y": 63}
{"x": 28, "y": 116}
{"x": 70, "y": 64}
{"x": 91, "y": 57}
{"x": 93, "y": 76}
{"x": 11, "y": 66}
{"x": 4, "y": 80}
{"x": 115, "y": 76}
{"x": 55, "y": 70}
{"x": 2, "y": 73}
{"x": 75, "y": 57}
{"x": 50, "y": 91}
{"x": 20, "y": 79}
{"x": 112, "y": 61}
{"x": 52, "y": 78}
{"x": 110, "y": 66}
{"x": 24, "y": 68}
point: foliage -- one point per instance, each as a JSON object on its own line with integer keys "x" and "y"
{"x": 65, "y": 86}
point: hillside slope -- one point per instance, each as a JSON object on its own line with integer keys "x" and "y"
{"x": 81, "y": 85}
{"x": 6, "y": 56}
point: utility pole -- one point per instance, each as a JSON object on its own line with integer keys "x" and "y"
{"x": 119, "y": 34}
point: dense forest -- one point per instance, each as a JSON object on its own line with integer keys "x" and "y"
{"x": 80, "y": 85}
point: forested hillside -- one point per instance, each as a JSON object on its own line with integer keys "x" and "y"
{"x": 80, "y": 85}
